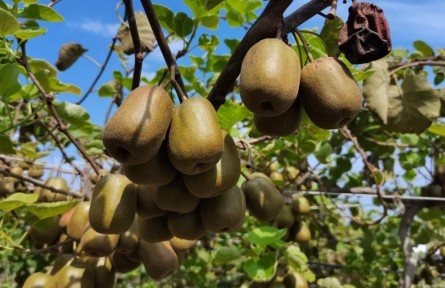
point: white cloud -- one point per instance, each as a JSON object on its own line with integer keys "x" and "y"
{"x": 96, "y": 27}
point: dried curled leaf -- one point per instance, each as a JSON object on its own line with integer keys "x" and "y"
{"x": 365, "y": 37}
{"x": 410, "y": 108}
{"x": 146, "y": 35}
{"x": 68, "y": 54}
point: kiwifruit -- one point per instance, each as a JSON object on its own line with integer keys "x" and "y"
{"x": 442, "y": 251}
{"x": 186, "y": 226}
{"x": 113, "y": 204}
{"x": 79, "y": 220}
{"x": 153, "y": 229}
{"x": 330, "y": 95}
{"x": 122, "y": 263}
{"x": 180, "y": 244}
{"x": 136, "y": 131}
{"x": 61, "y": 261}
{"x": 175, "y": 197}
{"x": 46, "y": 195}
{"x": 221, "y": 177}
{"x": 291, "y": 173}
{"x": 65, "y": 217}
{"x": 195, "y": 139}
{"x": 269, "y": 78}
{"x": 16, "y": 170}
{"x": 285, "y": 218}
{"x": 104, "y": 273}
{"x": 45, "y": 231}
{"x": 157, "y": 171}
{"x": 159, "y": 259}
{"x": 146, "y": 206}
{"x": 129, "y": 240}
{"x": 97, "y": 244}
{"x": 6, "y": 185}
{"x": 283, "y": 124}
{"x": 275, "y": 176}
{"x": 75, "y": 276}
{"x": 263, "y": 200}
{"x": 225, "y": 212}
{"x": 40, "y": 280}
{"x": 295, "y": 280}
{"x": 302, "y": 233}
{"x": 300, "y": 205}
{"x": 35, "y": 171}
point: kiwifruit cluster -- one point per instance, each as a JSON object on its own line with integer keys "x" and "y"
{"x": 10, "y": 185}
{"x": 275, "y": 88}
{"x": 177, "y": 180}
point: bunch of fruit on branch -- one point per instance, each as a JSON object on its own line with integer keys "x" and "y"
{"x": 179, "y": 171}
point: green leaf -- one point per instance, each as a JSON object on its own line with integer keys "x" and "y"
{"x": 52, "y": 84}
{"x": 72, "y": 113}
{"x": 106, "y": 90}
{"x": 265, "y": 235}
{"x": 6, "y": 146}
{"x": 8, "y": 23}
{"x": 45, "y": 210}
{"x": 296, "y": 259}
{"x": 438, "y": 129}
{"x": 210, "y": 21}
{"x": 329, "y": 282}
{"x": 231, "y": 113}
{"x": 232, "y": 44}
{"x": 165, "y": 16}
{"x": 414, "y": 109}
{"x": 210, "y": 4}
{"x": 182, "y": 24}
{"x": 27, "y": 2}
{"x": 197, "y": 7}
{"x": 37, "y": 65}
{"x": 9, "y": 84}
{"x": 375, "y": 89}
{"x": 244, "y": 7}
{"x": 208, "y": 42}
{"x": 227, "y": 254}
{"x": 329, "y": 34}
{"x": 17, "y": 200}
{"x": 323, "y": 153}
{"x": 423, "y": 48}
{"x": 25, "y": 34}
{"x": 234, "y": 18}
{"x": 40, "y": 12}
{"x": 262, "y": 269}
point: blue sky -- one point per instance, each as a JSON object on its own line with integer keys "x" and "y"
{"x": 93, "y": 23}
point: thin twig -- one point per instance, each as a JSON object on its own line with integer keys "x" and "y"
{"x": 38, "y": 183}
{"x": 162, "y": 42}
{"x": 92, "y": 60}
{"x": 371, "y": 169}
{"x": 90, "y": 89}
{"x": 305, "y": 45}
{"x": 404, "y": 65}
{"x": 48, "y": 100}
{"x": 333, "y": 12}
{"x": 43, "y": 165}
{"x": 62, "y": 150}
{"x": 241, "y": 144}
{"x": 138, "y": 54}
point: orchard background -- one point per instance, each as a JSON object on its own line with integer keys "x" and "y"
{"x": 375, "y": 187}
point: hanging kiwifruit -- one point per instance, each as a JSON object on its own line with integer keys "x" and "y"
{"x": 45, "y": 231}
{"x": 195, "y": 139}
{"x": 40, "y": 280}
{"x": 122, "y": 263}
{"x": 175, "y": 197}
{"x": 225, "y": 212}
{"x": 221, "y": 177}
{"x": 146, "y": 206}
{"x": 153, "y": 229}
{"x": 158, "y": 171}
{"x": 79, "y": 220}
{"x": 186, "y": 226}
{"x": 269, "y": 78}
{"x": 263, "y": 200}
{"x": 113, "y": 204}
{"x": 135, "y": 132}
{"x": 159, "y": 259}
{"x": 300, "y": 205}
{"x": 97, "y": 244}
{"x": 46, "y": 195}
{"x": 283, "y": 124}
{"x": 75, "y": 276}
{"x": 330, "y": 95}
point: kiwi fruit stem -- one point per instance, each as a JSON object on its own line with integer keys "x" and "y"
{"x": 306, "y": 47}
